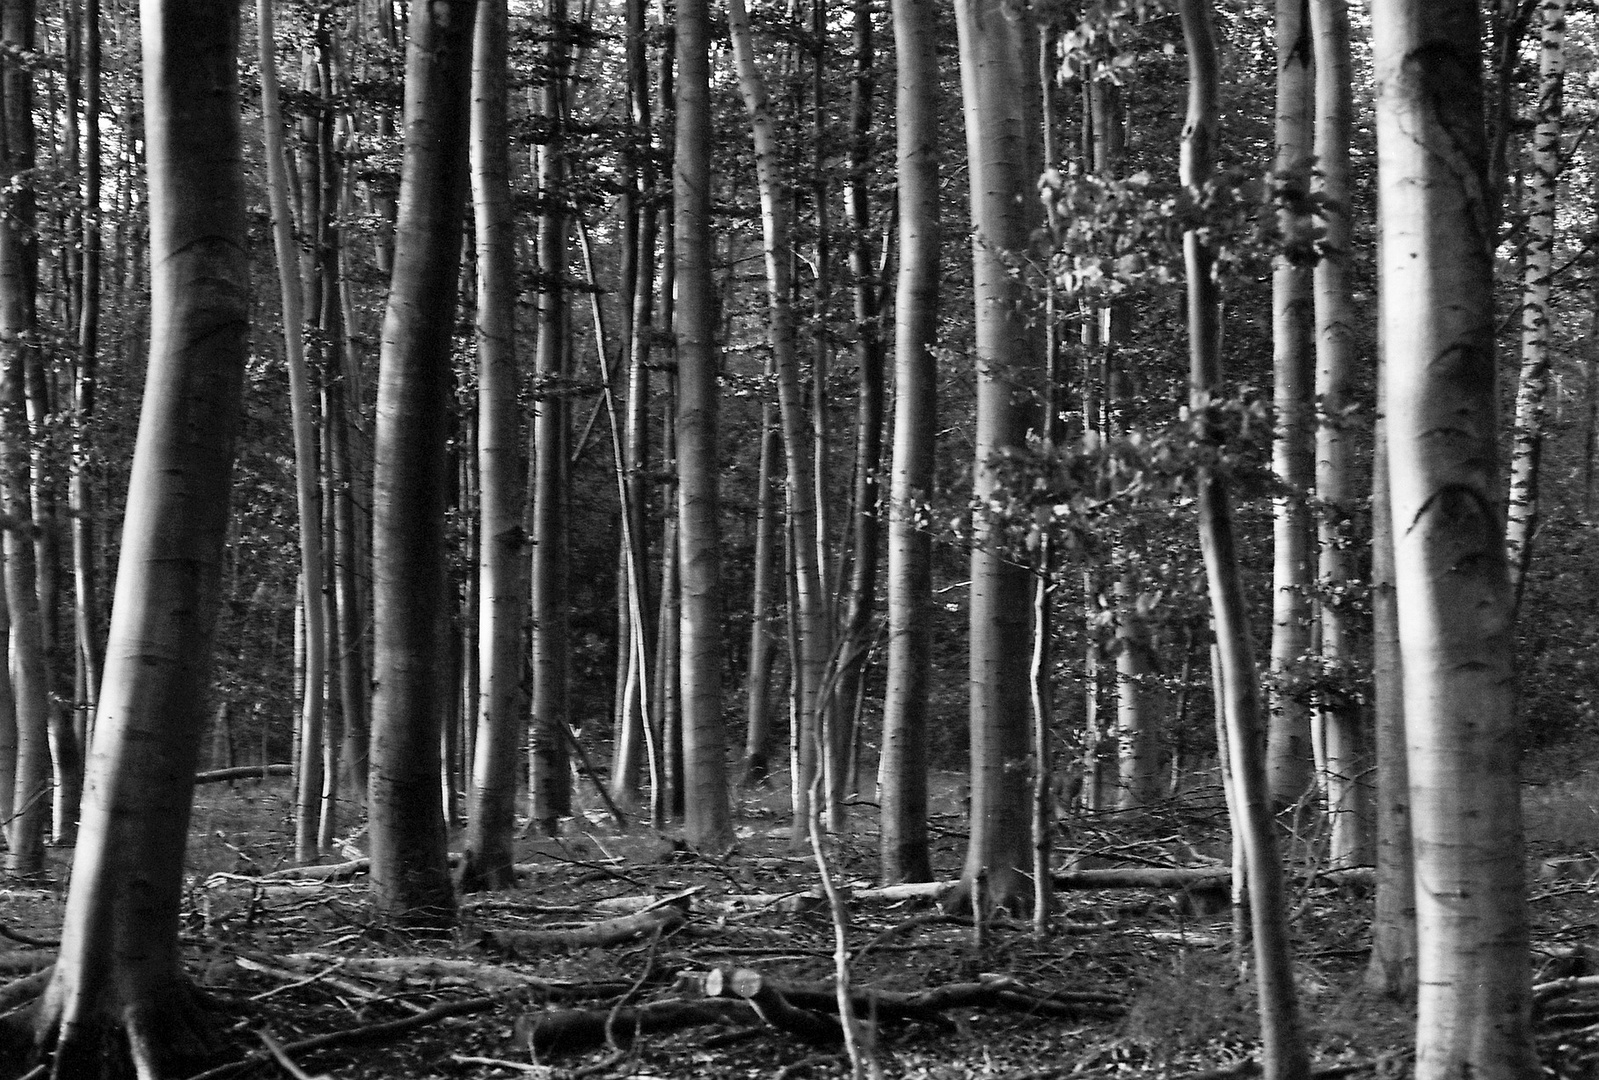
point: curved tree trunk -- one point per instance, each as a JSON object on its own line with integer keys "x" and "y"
{"x": 999, "y": 82}
{"x": 410, "y": 871}
{"x": 1288, "y": 751}
{"x": 903, "y": 794}
{"x": 491, "y": 817}
{"x": 117, "y": 992}
{"x": 1455, "y": 598}
{"x": 1284, "y": 1055}
{"x": 705, "y": 793}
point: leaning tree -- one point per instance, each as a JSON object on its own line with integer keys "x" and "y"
{"x": 118, "y": 995}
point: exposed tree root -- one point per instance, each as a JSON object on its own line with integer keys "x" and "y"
{"x": 169, "y": 1036}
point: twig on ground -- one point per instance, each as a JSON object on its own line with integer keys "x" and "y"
{"x": 275, "y": 1048}
{"x": 545, "y": 1072}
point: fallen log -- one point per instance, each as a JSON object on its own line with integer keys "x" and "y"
{"x": 441, "y": 970}
{"x": 570, "y": 1031}
{"x": 331, "y": 872}
{"x": 595, "y": 935}
{"x": 808, "y": 1024}
{"x": 242, "y": 772}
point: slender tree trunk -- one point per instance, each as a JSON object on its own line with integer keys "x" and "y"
{"x": 1348, "y": 789}
{"x": 1284, "y": 1055}
{"x": 305, "y": 452}
{"x": 903, "y": 797}
{"x": 708, "y": 813}
{"x": 491, "y": 817}
{"x": 18, "y": 276}
{"x": 1137, "y": 748}
{"x": 1454, "y": 592}
{"x": 8, "y": 734}
{"x": 117, "y": 995}
{"x": 763, "y": 596}
{"x": 803, "y": 520}
{"x": 999, "y": 81}
{"x": 410, "y": 871}
{"x": 1392, "y": 970}
{"x": 865, "y": 522}
{"x": 1537, "y": 316}
{"x": 1288, "y": 752}
{"x": 81, "y": 497}
{"x": 550, "y": 776}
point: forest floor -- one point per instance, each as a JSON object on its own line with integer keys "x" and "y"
{"x": 1133, "y": 983}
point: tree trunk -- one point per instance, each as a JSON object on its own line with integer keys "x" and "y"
{"x": 708, "y": 813}
{"x": 865, "y": 520}
{"x": 1537, "y": 316}
{"x": 803, "y": 521}
{"x": 1454, "y": 592}
{"x": 502, "y": 484}
{"x": 305, "y": 451}
{"x": 550, "y": 775}
{"x": 763, "y": 596}
{"x": 1284, "y": 1055}
{"x": 84, "y": 555}
{"x": 118, "y": 992}
{"x": 1288, "y": 751}
{"x": 18, "y": 324}
{"x": 410, "y": 871}
{"x": 1392, "y": 970}
{"x": 999, "y": 81}
{"x": 903, "y": 794}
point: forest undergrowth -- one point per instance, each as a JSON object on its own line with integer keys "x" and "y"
{"x": 622, "y": 954}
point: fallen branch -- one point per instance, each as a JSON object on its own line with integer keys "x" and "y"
{"x": 568, "y": 1031}
{"x": 1576, "y": 984}
{"x": 27, "y": 939}
{"x": 595, "y": 935}
{"x": 242, "y": 772}
{"x": 352, "y": 1036}
{"x": 25, "y": 989}
{"x": 331, "y": 872}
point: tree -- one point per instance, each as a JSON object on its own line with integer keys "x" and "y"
{"x": 18, "y": 482}
{"x": 903, "y": 793}
{"x": 491, "y": 817}
{"x": 1293, "y": 314}
{"x": 1000, "y": 95}
{"x": 549, "y": 783}
{"x": 1537, "y": 315}
{"x": 813, "y": 749}
{"x": 118, "y": 993}
{"x": 1340, "y": 719}
{"x": 410, "y": 869}
{"x": 306, "y": 460}
{"x": 1283, "y": 1052}
{"x": 708, "y": 814}
{"x": 1455, "y": 599}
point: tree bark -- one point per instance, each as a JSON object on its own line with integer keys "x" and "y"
{"x": 410, "y": 872}
{"x": 999, "y": 81}
{"x": 118, "y": 992}
{"x": 1284, "y": 1055}
{"x": 1454, "y": 592}
{"x": 903, "y": 792}
{"x": 708, "y": 813}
